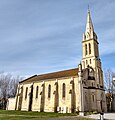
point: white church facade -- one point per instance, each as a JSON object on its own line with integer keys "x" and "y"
{"x": 75, "y": 90}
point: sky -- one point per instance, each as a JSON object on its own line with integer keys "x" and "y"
{"x": 42, "y": 36}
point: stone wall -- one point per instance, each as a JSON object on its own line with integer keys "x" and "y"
{"x": 53, "y": 103}
{"x": 11, "y": 104}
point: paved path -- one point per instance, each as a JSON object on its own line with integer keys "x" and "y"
{"x": 66, "y": 118}
{"x": 108, "y": 116}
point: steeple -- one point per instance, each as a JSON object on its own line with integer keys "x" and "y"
{"x": 89, "y": 24}
{"x": 90, "y": 45}
{"x": 89, "y": 32}
{"x": 91, "y": 51}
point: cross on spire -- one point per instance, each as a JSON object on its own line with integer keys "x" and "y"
{"x": 88, "y": 7}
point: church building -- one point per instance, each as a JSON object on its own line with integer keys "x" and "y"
{"x": 75, "y": 90}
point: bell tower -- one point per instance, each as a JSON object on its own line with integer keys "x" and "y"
{"x": 91, "y": 52}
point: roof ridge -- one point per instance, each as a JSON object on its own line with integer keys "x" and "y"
{"x": 52, "y": 75}
{"x": 56, "y": 72}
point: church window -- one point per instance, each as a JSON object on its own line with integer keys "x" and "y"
{"x": 26, "y": 92}
{"x": 85, "y": 49}
{"x": 63, "y": 90}
{"x": 89, "y": 48}
{"x": 93, "y": 98}
{"x": 90, "y": 61}
{"x": 83, "y": 64}
{"x": 49, "y": 91}
{"x": 86, "y": 102}
{"x": 86, "y": 62}
{"x": 21, "y": 90}
{"x": 92, "y": 84}
{"x": 86, "y": 98}
{"x": 37, "y": 92}
{"x": 99, "y": 76}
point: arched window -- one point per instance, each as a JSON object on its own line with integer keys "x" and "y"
{"x": 90, "y": 61}
{"x": 99, "y": 76}
{"x": 86, "y": 100}
{"x": 93, "y": 98}
{"x": 49, "y": 91}
{"x": 63, "y": 90}
{"x": 85, "y": 49}
{"x": 86, "y": 62}
{"x": 89, "y": 48}
{"x": 22, "y": 90}
{"x": 26, "y": 92}
{"x": 37, "y": 92}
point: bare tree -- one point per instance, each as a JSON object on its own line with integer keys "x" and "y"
{"x": 13, "y": 85}
{"x": 108, "y": 75}
{"x": 4, "y": 88}
{"x": 108, "y": 80}
{"x": 8, "y": 85}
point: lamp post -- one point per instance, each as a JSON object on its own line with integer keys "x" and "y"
{"x": 101, "y": 116}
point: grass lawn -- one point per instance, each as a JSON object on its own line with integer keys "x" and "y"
{"x": 22, "y": 115}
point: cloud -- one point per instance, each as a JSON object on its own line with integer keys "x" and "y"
{"x": 45, "y": 36}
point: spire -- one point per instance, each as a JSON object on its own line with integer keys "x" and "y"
{"x": 89, "y": 25}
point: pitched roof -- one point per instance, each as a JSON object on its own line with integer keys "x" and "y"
{"x": 54, "y": 75}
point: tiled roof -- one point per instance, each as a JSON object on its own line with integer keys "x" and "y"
{"x": 54, "y": 75}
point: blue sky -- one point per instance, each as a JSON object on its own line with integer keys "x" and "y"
{"x": 40, "y": 36}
